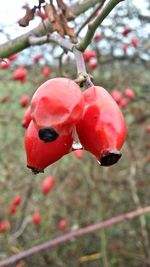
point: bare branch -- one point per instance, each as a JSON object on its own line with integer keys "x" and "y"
{"x": 53, "y": 38}
{"x": 75, "y": 234}
{"x": 96, "y": 23}
{"x": 20, "y": 43}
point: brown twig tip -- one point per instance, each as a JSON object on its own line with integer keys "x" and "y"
{"x": 74, "y": 234}
{"x": 27, "y": 17}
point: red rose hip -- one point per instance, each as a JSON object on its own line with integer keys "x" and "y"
{"x": 102, "y": 129}
{"x": 48, "y": 184}
{"x": 40, "y": 154}
{"x": 36, "y": 218}
{"x": 56, "y": 107}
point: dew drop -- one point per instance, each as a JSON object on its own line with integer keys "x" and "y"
{"x": 76, "y": 142}
{"x": 77, "y": 145}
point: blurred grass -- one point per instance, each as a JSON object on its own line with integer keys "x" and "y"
{"x": 85, "y": 193}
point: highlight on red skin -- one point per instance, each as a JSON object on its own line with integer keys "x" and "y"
{"x": 102, "y": 128}
{"x": 58, "y": 103}
{"x": 40, "y": 154}
{"x": 26, "y": 118}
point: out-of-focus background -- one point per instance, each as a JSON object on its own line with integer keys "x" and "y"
{"x": 83, "y": 193}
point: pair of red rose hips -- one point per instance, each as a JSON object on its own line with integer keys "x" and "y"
{"x": 59, "y": 109}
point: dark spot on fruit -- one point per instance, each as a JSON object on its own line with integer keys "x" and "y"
{"x": 35, "y": 170}
{"x": 48, "y": 134}
{"x": 111, "y": 158}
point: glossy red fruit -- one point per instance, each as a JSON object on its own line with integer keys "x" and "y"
{"x": 17, "y": 200}
{"x": 147, "y": 128}
{"x": 126, "y": 31}
{"x": 36, "y": 218}
{"x": 117, "y": 95}
{"x": 27, "y": 118}
{"x": 123, "y": 103}
{"x": 40, "y": 154}
{"x": 129, "y": 93}
{"x": 92, "y": 64}
{"x": 48, "y": 184}
{"x": 5, "y": 99}
{"x": 78, "y": 153}
{"x": 134, "y": 42}
{"x": 12, "y": 209}
{"x": 37, "y": 58}
{"x": 4, "y": 64}
{"x": 46, "y": 71}
{"x": 20, "y": 74}
{"x": 88, "y": 54}
{"x": 62, "y": 225}
{"x": 13, "y": 57}
{"x": 56, "y": 107}
{"x": 4, "y": 226}
{"x": 102, "y": 129}
{"x": 24, "y": 101}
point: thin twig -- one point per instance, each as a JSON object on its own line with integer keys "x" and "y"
{"x": 90, "y": 17}
{"x": 23, "y": 226}
{"x": 83, "y": 76}
{"x": 74, "y": 234}
{"x": 54, "y": 38}
{"x": 96, "y": 23}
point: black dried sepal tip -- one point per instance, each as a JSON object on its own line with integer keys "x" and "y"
{"x": 48, "y": 134}
{"x": 110, "y": 158}
{"x": 35, "y": 170}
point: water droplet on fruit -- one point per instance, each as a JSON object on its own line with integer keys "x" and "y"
{"x": 76, "y": 145}
{"x": 76, "y": 142}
